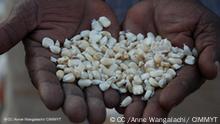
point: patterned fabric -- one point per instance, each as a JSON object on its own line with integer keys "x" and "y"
{"x": 121, "y": 6}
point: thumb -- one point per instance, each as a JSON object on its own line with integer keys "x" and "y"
{"x": 21, "y": 21}
{"x": 208, "y": 62}
{"x": 207, "y": 43}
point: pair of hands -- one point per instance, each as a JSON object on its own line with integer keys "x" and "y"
{"x": 181, "y": 21}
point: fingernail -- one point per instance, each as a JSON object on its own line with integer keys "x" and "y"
{"x": 218, "y": 66}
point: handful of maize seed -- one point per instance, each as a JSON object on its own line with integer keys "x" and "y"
{"x": 134, "y": 64}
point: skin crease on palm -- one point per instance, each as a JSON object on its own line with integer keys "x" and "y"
{"x": 181, "y": 21}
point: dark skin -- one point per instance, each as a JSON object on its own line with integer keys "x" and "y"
{"x": 182, "y": 22}
{"x": 32, "y": 20}
{"x": 164, "y": 17}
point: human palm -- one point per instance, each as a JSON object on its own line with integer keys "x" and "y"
{"x": 182, "y": 22}
{"x": 31, "y": 21}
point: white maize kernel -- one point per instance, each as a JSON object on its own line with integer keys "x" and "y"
{"x": 190, "y": 60}
{"x": 69, "y": 78}
{"x": 96, "y": 25}
{"x": 84, "y": 83}
{"x": 138, "y": 89}
{"x": 104, "y": 86}
{"x": 55, "y": 49}
{"x": 47, "y": 42}
{"x": 147, "y": 95}
{"x": 126, "y": 102}
{"x": 60, "y": 74}
{"x": 156, "y": 73}
{"x": 105, "y": 21}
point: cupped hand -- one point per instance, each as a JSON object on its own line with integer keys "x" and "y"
{"x": 31, "y": 21}
{"x": 182, "y": 22}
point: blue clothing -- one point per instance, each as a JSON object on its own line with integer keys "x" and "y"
{"x": 120, "y": 7}
{"x": 213, "y": 5}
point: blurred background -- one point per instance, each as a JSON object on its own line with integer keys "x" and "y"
{"x": 18, "y": 98}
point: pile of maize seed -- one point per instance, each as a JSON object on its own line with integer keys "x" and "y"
{"x": 134, "y": 63}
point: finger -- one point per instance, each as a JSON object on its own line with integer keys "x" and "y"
{"x": 121, "y": 110}
{"x": 208, "y": 62}
{"x": 135, "y": 109}
{"x": 187, "y": 81}
{"x": 74, "y": 105}
{"x": 111, "y": 98}
{"x": 105, "y": 11}
{"x": 154, "y": 109}
{"x": 96, "y": 106}
{"x": 139, "y": 18}
{"x": 42, "y": 72}
{"x": 207, "y": 42}
{"x": 22, "y": 20}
